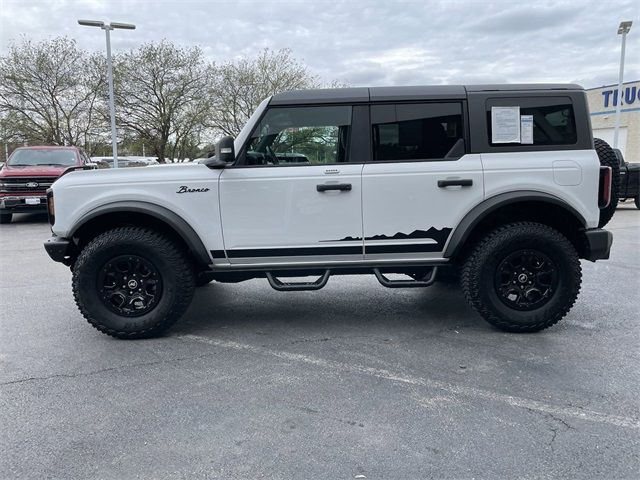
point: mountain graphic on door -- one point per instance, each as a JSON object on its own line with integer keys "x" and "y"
{"x": 439, "y": 235}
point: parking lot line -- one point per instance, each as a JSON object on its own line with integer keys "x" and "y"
{"x": 398, "y": 377}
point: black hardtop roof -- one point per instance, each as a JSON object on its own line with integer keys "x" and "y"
{"x": 425, "y": 92}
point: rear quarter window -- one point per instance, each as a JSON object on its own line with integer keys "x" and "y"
{"x": 554, "y": 120}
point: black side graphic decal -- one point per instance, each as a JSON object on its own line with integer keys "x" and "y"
{"x": 294, "y": 252}
{"x": 439, "y": 235}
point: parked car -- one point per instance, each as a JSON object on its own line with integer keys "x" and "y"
{"x": 629, "y": 179}
{"x": 28, "y": 173}
{"x": 502, "y": 182}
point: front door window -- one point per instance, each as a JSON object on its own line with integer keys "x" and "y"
{"x": 300, "y": 136}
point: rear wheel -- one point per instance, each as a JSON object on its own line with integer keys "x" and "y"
{"x": 132, "y": 282}
{"x": 608, "y": 158}
{"x": 5, "y": 218}
{"x": 522, "y": 277}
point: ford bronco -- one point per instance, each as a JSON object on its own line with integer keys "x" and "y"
{"x": 502, "y": 183}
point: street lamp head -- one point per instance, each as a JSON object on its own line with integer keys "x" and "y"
{"x": 126, "y": 26}
{"x": 91, "y": 23}
{"x": 624, "y": 27}
{"x": 107, "y": 26}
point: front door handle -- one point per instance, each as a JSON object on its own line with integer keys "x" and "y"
{"x": 458, "y": 182}
{"x": 343, "y": 187}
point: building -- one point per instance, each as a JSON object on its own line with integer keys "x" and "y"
{"x": 602, "y": 104}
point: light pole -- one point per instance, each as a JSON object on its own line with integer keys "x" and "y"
{"x": 107, "y": 27}
{"x": 623, "y": 29}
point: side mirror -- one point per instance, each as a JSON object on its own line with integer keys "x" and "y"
{"x": 225, "y": 151}
{"x": 91, "y": 165}
{"x": 225, "y": 154}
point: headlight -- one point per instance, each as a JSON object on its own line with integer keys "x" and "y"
{"x": 51, "y": 208}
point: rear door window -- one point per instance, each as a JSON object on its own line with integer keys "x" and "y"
{"x": 417, "y": 131}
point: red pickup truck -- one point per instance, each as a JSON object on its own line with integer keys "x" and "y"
{"x": 28, "y": 173}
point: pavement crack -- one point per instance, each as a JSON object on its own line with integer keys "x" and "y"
{"x": 310, "y": 340}
{"x": 312, "y": 411}
{"x": 555, "y": 425}
{"x": 105, "y": 370}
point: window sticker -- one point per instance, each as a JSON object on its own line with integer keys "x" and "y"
{"x": 526, "y": 129}
{"x": 505, "y": 124}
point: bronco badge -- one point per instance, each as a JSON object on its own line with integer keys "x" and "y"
{"x": 185, "y": 189}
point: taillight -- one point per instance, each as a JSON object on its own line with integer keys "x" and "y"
{"x": 604, "y": 187}
{"x": 51, "y": 209}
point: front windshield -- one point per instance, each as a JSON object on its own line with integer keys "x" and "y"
{"x": 28, "y": 157}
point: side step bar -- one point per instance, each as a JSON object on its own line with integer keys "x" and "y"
{"x": 281, "y": 286}
{"x": 425, "y": 281}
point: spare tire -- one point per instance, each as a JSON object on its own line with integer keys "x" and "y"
{"x": 608, "y": 158}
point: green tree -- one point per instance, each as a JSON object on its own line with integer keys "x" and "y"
{"x": 239, "y": 86}
{"x": 52, "y": 92}
{"x": 160, "y": 92}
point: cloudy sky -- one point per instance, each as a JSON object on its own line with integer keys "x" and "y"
{"x": 374, "y": 42}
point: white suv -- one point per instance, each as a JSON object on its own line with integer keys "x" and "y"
{"x": 500, "y": 183}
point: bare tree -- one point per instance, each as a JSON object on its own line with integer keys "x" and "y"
{"x": 161, "y": 94}
{"x": 51, "y": 92}
{"x": 240, "y": 86}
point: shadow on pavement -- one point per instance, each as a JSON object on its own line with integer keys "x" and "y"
{"x": 29, "y": 218}
{"x": 255, "y": 306}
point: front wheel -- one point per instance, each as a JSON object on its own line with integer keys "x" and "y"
{"x": 5, "y": 218}
{"x": 132, "y": 282}
{"x": 522, "y": 277}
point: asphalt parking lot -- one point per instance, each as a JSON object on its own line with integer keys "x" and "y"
{"x": 353, "y": 381}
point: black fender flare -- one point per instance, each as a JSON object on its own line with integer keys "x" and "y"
{"x": 486, "y": 207}
{"x": 172, "y": 219}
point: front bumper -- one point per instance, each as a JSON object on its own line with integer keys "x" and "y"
{"x": 597, "y": 244}
{"x": 19, "y": 204}
{"x": 60, "y": 249}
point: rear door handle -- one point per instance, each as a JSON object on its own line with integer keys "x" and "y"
{"x": 461, "y": 182}
{"x": 344, "y": 187}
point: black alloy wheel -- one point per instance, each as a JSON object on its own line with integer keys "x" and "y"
{"x": 129, "y": 285}
{"x": 526, "y": 279}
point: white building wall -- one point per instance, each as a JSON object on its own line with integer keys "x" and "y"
{"x": 602, "y": 104}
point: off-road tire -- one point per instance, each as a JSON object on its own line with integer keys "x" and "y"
{"x": 479, "y": 270}
{"x": 5, "y": 218}
{"x": 608, "y": 158}
{"x": 171, "y": 263}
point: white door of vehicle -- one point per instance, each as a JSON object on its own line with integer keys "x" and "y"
{"x": 419, "y": 183}
{"x": 294, "y": 196}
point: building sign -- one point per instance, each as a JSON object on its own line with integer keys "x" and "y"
{"x": 630, "y": 96}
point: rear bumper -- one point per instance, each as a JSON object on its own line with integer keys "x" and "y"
{"x": 59, "y": 249}
{"x": 598, "y": 244}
